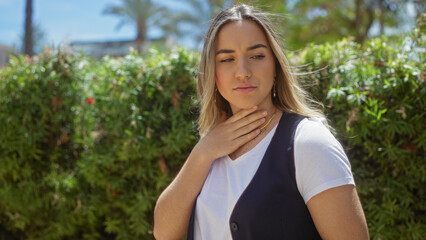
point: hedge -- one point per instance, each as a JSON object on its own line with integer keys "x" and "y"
{"x": 87, "y": 146}
{"x": 374, "y": 96}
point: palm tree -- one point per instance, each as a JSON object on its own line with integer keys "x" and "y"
{"x": 28, "y": 42}
{"x": 38, "y": 40}
{"x": 198, "y": 15}
{"x": 144, "y": 14}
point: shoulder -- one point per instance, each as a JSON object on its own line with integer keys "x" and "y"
{"x": 320, "y": 161}
{"x": 313, "y": 132}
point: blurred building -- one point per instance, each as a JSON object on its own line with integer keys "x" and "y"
{"x": 5, "y": 52}
{"x": 98, "y": 49}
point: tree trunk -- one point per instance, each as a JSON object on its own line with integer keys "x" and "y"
{"x": 28, "y": 39}
{"x": 363, "y": 11}
{"x": 358, "y": 16}
{"x": 382, "y": 17}
{"x": 362, "y": 35}
{"x": 141, "y": 36}
{"x": 420, "y": 9}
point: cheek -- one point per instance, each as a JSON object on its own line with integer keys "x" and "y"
{"x": 265, "y": 71}
{"x": 268, "y": 67}
{"x": 221, "y": 77}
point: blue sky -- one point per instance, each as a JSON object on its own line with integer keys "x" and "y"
{"x": 81, "y": 20}
{"x": 64, "y": 20}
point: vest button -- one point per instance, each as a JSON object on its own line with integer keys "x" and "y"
{"x": 234, "y": 226}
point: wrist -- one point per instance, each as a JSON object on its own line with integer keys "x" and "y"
{"x": 203, "y": 153}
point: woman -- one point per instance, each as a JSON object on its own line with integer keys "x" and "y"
{"x": 266, "y": 166}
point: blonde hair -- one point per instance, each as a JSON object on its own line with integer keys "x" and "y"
{"x": 290, "y": 96}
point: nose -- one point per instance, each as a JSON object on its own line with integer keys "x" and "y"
{"x": 243, "y": 70}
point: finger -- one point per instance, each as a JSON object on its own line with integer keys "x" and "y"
{"x": 249, "y": 119}
{"x": 249, "y": 128}
{"x": 246, "y": 138}
{"x": 242, "y": 113}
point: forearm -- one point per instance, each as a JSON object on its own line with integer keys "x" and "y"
{"x": 174, "y": 206}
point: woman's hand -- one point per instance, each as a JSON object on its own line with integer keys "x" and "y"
{"x": 232, "y": 133}
{"x": 174, "y": 206}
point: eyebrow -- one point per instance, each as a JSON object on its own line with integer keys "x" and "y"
{"x": 259, "y": 45}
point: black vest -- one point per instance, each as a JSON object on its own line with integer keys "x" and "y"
{"x": 271, "y": 206}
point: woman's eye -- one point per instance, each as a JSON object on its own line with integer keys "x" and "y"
{"x": 227, "y": 60}
{"x": 259, "y": 56}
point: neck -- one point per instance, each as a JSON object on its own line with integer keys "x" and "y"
{"x": 262, "y": 128}
{"x": 272, "y": 118}
{"x": 270, "y": 110}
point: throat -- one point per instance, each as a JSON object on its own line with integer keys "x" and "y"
{"x": 267, "y": 127}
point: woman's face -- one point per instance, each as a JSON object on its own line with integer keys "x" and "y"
{"x": 245, "y": 66}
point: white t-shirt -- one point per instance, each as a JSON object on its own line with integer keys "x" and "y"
{"x": 320, "y": 164}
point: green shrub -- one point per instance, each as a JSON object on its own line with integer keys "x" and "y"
{"x": 38, "y": 148}
{"x": 375, "y": 96}
{"x": 144, "y": 126}
{"x": 86, "y": 146}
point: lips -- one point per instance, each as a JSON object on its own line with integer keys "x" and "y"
{"x": 245, "y": 88}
